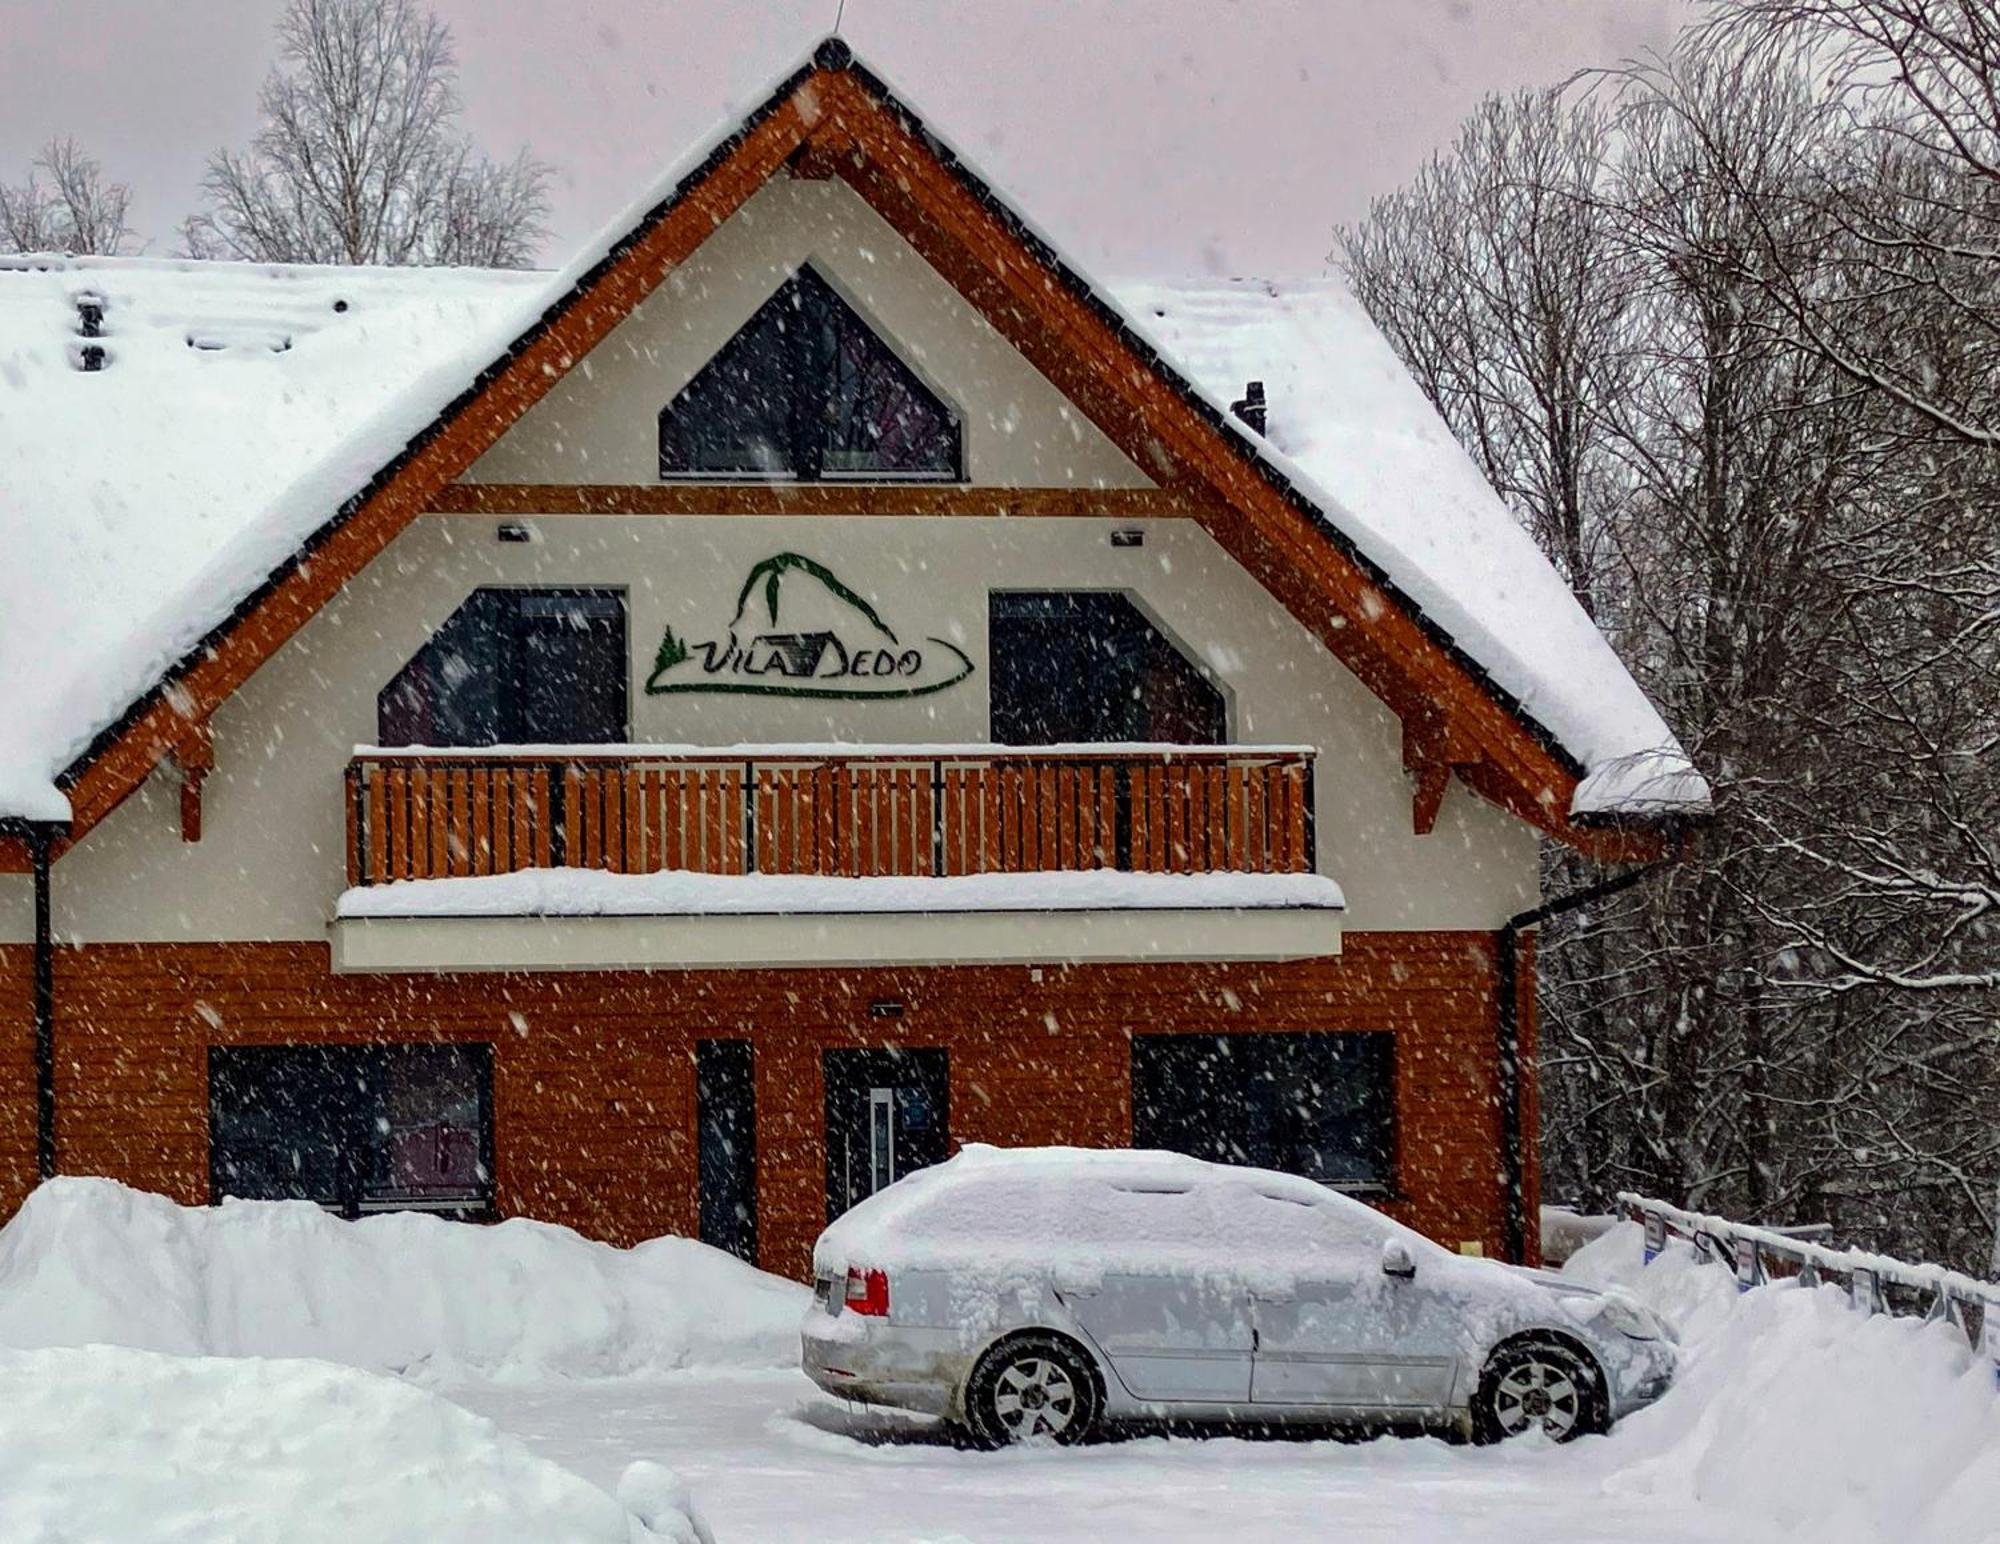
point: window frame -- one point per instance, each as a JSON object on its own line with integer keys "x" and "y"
{"x": 617, "y": 595}
{"x": 483, "y": 1206}
{"x": 1164, "y": 635}
{"x": 1386, "y": 1186}
{"x": 808, "y": 465}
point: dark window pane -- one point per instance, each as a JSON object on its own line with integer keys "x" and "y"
{"x": 427, "y": 1135}
{"x": 1320, "y": 1105}
{"x": 736, "y": 418}
{"x": 517, "y": 667}
{"x": 352, "y": 1126}
{"x": 806, "y": 389}
{"x": 1089, "y": 666}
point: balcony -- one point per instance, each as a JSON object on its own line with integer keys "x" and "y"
{"x": 1086, "y": 852}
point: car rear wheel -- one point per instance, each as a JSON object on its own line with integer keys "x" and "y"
{"x": 1538, "y": 1385}
{"x": 1032, "y": 1387}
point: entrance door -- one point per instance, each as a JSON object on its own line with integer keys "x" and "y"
{"x": 726, "y": 1143}
{"x": 887, "y": 1113}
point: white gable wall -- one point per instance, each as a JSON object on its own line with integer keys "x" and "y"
{"x": 601, "y": 423}
{"x": 271, "y": 861}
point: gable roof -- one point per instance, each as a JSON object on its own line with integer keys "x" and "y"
{"x": 1543, "y": 719}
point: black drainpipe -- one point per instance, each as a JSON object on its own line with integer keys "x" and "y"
{"x": 1513, "y": 1168}
{"x": 39, "y": 839}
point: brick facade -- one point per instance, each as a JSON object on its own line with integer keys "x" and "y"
{"x": 594, "y": 1080}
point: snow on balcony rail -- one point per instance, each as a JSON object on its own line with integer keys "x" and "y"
{"x": 1875, "y": 1283}
{"x": 836, "y": 750}
{"x": 568, "y": 892}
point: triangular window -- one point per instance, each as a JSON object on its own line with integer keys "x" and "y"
{"x": 807, "y": 391}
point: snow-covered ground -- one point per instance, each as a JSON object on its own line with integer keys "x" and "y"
{"x": 1796, "y": 1418}
{"x": 103, "y": 1443}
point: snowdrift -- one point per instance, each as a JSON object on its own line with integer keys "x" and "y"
{"x": 99, "y": 1442}
{"x": 1801, "y": 1416}
{"x": 87, "y": 1261}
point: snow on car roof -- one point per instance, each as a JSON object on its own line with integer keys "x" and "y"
{"x": 240, "y": 404}
{"x": 1083, "y": 1211}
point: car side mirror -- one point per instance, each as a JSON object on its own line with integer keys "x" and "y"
{"x": 1397, "y": 1260}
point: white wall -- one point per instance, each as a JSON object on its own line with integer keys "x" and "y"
{"x": 270, "y": 862}
{"x": 601, "y": 423}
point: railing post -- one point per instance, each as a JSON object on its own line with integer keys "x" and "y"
{"x": 1121, "y": 820}
{"x": 558, "y": 814}
{"x": 1312, "y": 814}
{"x": 351, "y": 778}
{"x": 937, "y": 819}
{"x": 749, "y": 832}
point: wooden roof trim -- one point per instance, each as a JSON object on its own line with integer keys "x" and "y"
{"x": 1377, "y": 634}
{"x": 463, "y": 432}
{"x": 920, "y": 499}
{"x": 848, "y": 123}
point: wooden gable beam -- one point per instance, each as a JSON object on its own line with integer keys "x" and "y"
{"x": 830, "y": 123}
{"x": 570, "y": 332}
{"x": 1099, "y": 370}
{"x": 195, "y": 756}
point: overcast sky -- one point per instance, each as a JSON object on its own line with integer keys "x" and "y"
{"x": 1148, "y": 136}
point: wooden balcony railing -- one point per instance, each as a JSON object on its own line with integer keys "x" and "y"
{"x": 915, "y": 811}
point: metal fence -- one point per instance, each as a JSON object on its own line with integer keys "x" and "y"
{"x": 1873, "y": 1283}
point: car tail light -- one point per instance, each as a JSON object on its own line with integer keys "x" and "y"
{"x": 868, "y": 1292}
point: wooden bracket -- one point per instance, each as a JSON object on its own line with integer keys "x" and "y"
{"x": 195, "y": 756}
{"x": 1431, "y": 754}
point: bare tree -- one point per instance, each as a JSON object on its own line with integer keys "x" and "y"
{"x": 73, "y": 210}
{"x": 1722, "y": 332}
{"x": 359, "y": 159}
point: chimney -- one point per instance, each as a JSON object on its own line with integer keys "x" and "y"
{"x": 1252, "y": 408}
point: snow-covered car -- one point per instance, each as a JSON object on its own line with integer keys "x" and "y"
{"x": 1047, "y": 1292}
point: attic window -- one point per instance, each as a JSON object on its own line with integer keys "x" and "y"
{"x": 807, "y": 391}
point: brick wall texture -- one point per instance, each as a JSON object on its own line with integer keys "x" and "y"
{"x": 594, "y": 1093}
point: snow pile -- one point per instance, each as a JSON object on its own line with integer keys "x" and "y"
{"x": 1800, "y": 1415}
{"x": 568, "y": 892}
{"x": 99, "y": 1442}
{"x": 88, "y": 1260}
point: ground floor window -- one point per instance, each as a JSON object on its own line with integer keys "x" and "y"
{"x": 364, "y": 1128}
{"x": 1319, "y": 1105}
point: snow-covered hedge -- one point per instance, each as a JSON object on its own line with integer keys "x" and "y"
{"x": 1800, "y": 1416}
{"x": 89, "y": 1260}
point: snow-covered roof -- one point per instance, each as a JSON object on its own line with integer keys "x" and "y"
{"x": 240, "y": 405}
{"x": 1361, "y": 436}
{"x": 143, "y": 501}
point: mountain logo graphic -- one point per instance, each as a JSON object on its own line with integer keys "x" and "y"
{"x": 800, "y": 632}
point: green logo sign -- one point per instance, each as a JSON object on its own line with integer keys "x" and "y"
{"x": 832, "y": 644}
